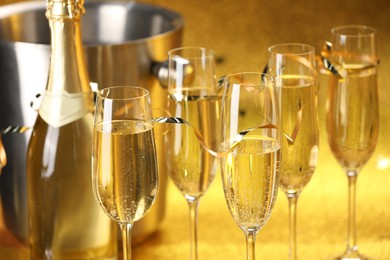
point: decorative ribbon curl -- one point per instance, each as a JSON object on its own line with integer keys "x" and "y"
{"x": 173, "y": 120}
{"x": 8, "y": 130}
{"x": 237, "y": 139}
{"x": 337, "y": 68}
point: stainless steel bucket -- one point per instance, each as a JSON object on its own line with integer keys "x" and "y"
{"x": 123, "y": 42}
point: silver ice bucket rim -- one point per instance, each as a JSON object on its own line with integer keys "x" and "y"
{"x": 175, "y": 19}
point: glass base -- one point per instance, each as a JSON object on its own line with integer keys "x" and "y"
{"x": 352, "y": 255}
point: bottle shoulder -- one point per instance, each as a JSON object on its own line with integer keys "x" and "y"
{"x": 61, "y": 108}
{"x": 66, "y": 147}
{"x": 79, "y": 130}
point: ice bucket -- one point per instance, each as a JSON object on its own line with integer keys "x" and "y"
{"x": 124, "y": 42}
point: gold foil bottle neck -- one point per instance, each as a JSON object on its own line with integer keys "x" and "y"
{"x": 68, "y": 95}
{"x": 65, "y": 9}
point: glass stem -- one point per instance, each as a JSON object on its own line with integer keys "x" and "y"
{"x": 193, "y": 206}
{"x": 250, "y": 245}
{"x": 351, "y": 239}
{"x": 292, "y": 203}
{"x": 126, "y": 240}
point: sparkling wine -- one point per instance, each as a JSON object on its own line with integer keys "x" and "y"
{"x": 353, "y": 117}
{"x": 126, "y": 182}
{"x": 64, "y": 219}
{"x": 251, "y": 180}
{"x": 300, "y": 159}
{"x": 192, "y": 168}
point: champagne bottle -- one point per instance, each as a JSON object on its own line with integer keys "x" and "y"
{"x": 65, "y": 220}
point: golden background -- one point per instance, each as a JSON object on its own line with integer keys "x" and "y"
{"x": 240, "y": 33}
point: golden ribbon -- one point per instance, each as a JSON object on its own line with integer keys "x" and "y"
{"x": 337, "y": 68}
{"x": 171, "y": 120}
{"x": 8, "y": 130}
{"x": 237, "y": 139}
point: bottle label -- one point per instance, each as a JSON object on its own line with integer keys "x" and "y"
{"x": 61, "y": 108}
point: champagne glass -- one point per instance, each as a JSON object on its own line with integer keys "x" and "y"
{"x": 193, "y": 96}
{"x": 353, "y": 111}
{"x": 124, "y": 174}
{"x": 251, "y": 144}
{"x": 293, "y": 66}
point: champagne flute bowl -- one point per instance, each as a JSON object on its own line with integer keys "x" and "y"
{"x": 124, "y": 173}
{"x": 293, "y": 66}
{"x": 353, "y": 111}
{"x": 193, "y": 96}
{"x": 251, "y": 145}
